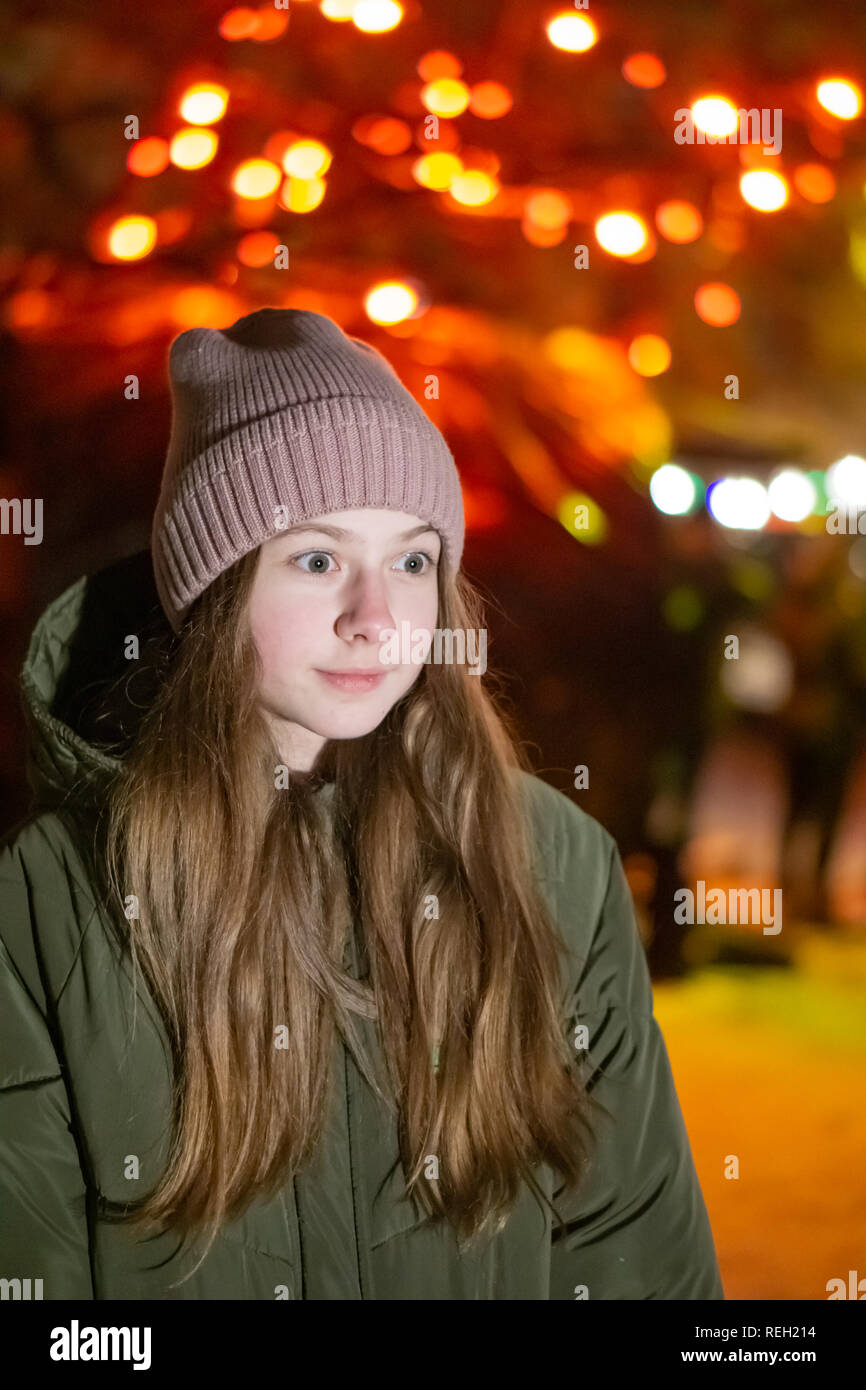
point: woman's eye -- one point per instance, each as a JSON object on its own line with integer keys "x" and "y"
{"x": 317, "y": 555}
{"x": 416, "y": 556}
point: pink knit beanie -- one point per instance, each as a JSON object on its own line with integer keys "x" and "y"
{"x": 280, "y": 418}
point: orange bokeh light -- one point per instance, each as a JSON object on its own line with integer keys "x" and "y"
{"x": 148, "y": 157}
{"x": 438, "y": 63}
{"x": 649, "y": 354}
{"x": 547, "y": 209}
{"x": 814, "y": 182}
{"x": 257, "y": 248}
{"x": 270, "y": 23}
{"x": 717, "y": 304}
{"x": 644, "y": 70}
{"x": 679, "y": 221}
{"x": 240, "y": 23}
{"x": 490, "y": 100}
{"x": 388, "y": 136}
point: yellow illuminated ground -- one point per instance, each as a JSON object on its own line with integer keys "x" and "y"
{"x": 770, "y": 1065}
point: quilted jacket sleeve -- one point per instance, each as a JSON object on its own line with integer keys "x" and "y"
{"x": 638, "y": 1228}
{"x": 43, "y": 1224}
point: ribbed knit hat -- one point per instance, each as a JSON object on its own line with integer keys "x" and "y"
{"x": 280, "y": 418}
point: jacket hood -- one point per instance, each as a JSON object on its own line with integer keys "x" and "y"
{"x": 82, "y": 696}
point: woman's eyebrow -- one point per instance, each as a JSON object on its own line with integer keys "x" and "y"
{"x": 338, "y": 533}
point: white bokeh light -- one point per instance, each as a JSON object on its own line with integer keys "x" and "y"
{"x": 672, "y": 489}
{"x": 792, "y": 495}
{"x": 740, "y": 503}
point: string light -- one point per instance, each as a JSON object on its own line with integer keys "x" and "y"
{"x": 621, "y": 233}
{"x": 447, "y": 96}
{"x": 192, "y": 148}
{"x": 306, "y": 159}
{"x": 840, "y": 97}
{"x": 764, "y": 190}
{"x": 391, "y": 302}
{"x": 376, "y": 16}
{"x": 673, "y": 490}
{"x": 572, "y": 32}
{"x": 203, "y": 103}
{"x": 256, "y": 178}
{"x": 715, "y": 116}
{"x": 649, "y": 354}
{"x": 717, "y": 304}
{"x": 132, "y": 237}
{"x": 644, "y": 70}
{"x": 679, "y": 221}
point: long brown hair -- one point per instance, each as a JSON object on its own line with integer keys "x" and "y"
{"x": 247, "y": 888}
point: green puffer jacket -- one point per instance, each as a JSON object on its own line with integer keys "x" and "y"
{"x": 75, "y": 1100}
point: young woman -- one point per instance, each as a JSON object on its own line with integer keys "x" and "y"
{"x": 311, "y": 989}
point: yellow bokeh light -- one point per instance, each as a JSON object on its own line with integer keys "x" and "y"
{"x": 840, "y": 97}
{"x": 376, "y": 16}
{"x": 473, "y": 187}
{"x": 649, "y": 354}
{"x": 764, "y": 190}
{"x": 132, "y": 237}
{"x": 192, "y": 148}
{"x": 715, "y": 115}
{"x": 255, "y": 178}
{"x": 573, "y": 33}
{"x": 447, "y": 96}
{"x": 582, "y": 517}
{"x": 390, "y": 302}
{"x": 437, "y": 171}
{"x": 306, "y": 159}
{"x": 621, "y": 233}
{"x": 204, "y": 103}
{"x": 339, "y": 10}
{"x": 301, "y": 195}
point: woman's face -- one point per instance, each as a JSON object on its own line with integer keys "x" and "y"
{"x": 326, "y": 595}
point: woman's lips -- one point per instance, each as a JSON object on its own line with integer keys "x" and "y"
{"x": 353, "y": 681}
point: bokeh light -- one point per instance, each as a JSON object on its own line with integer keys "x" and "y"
{"x": 717, "y": 304}
{"x": 840, "y": 97}
{"x": 679, "y": 221}
{"x": 621, "y": 233}
{"x": 192, "y": 148}
{"x": 792, "y": 495}
{"x": 739, "y": 503}
{"x": 715, "y": 116}
{"x": 649, "y": 354}
{"x": 846, "y": 481}
{"x": 203, "y": 103}
{"x": 764, "y": 190}
{"x": 644, "y": 70}
{"x": 574, "y": 33}
{"x": 390, "y": 302}
{"x": 672, "y": 490}
{"x": 132, "y": 237}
